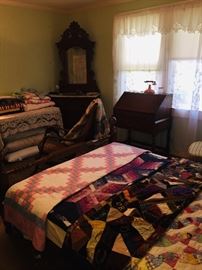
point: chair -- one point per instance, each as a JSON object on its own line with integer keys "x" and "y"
{"x": 195, "y": 151}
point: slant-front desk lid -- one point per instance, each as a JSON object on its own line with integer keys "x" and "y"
{"x": 143, "y": 103}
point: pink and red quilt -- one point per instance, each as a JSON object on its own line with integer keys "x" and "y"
{"x": 28, "y": 202}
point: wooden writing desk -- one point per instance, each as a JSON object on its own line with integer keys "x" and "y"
{"x": 148, "y": 113}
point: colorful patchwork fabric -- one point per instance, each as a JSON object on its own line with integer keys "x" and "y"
{"x": 28, "y": 202}
{"x": 106, "y": 186}
{"x": 10, "y": 105}
{"x": 101, "y": 127}
{"x": 181, "y": 246}
{"x": 118, "y": 230}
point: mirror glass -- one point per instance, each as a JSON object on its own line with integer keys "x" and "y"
{"x": 77, "y": 69}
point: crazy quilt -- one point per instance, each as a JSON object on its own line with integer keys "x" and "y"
{"x": 116, "y": 223}
{"x": 181, "y": 246}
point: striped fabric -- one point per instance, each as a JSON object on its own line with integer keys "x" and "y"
{"x": 195, "y": 149}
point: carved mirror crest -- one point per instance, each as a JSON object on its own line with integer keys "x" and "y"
{"x": 76, "y": 52}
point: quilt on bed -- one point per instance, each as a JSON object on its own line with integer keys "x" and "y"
{"x": 28, "y": 202}
{"x": 117, "y": 214}
{"x": 118, "y": 225}
{"x": 181, "y": 246}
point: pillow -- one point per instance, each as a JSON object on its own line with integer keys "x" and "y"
{"x": 23, "y": 143}
{"x": 22, "y": 154}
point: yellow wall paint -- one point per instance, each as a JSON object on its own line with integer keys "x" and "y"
{"x": 28, "y": 54}
{"x": 98, "y": 22}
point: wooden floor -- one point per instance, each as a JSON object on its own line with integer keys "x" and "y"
{"x": 17, "y": 254}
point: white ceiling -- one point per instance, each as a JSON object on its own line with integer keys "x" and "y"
{"x": 63, "y": 5}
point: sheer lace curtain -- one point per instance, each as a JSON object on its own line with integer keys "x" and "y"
{"x": 164, "y": 44}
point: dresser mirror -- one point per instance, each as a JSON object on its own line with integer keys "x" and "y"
{"x": 77, "y": 68}
{"x": 76, "y": 53}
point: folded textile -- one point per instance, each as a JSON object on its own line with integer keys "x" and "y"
{"x": 31, "y": 107}
{"x": 25, "y": 134}
{"x": 37, "y": 100}
{"x": 22, "y": 143}
{"x": 9, "y": 104}
{"x": 22, "y": 154}
{"x": 33, "y": 97}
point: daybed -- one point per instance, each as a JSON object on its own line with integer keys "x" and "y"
{"x": 35, "y": 140}
{"x": 111, "y": 205}
{"x": 21, "y": 135}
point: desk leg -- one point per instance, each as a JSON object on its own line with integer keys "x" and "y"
{"x": 168, "y": 141}
{"x": 153, "y": 142}
{"x": 168, "y": 137}
{"x": 129, "y": 136}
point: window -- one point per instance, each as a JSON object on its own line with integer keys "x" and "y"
{"x": 137, "y": 66}
{"x": 163, "y": 45}
{"x": 187, "y": 93}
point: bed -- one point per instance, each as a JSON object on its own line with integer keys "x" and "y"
{"x": 119, "y": 206}
{"x": 21, "y": 133}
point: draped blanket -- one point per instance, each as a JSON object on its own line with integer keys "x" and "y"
{"x": 94, "y": 121}
{"x": 117, "y": 224}
{"x": 28, "y": 202}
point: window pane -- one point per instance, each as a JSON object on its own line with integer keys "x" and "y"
{"x": 134, "y": 80}
{"x": 185, "y": 85}
{"x": 140, "y": 52}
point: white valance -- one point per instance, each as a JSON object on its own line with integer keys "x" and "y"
{"x": 186, "y": 16}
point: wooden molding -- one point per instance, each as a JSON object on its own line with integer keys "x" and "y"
{"x": 60, "y": 6}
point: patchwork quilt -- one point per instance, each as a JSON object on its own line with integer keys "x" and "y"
{"x": 117, "y": 224}
{"x": 28, "y": 202}
{"x": 114, "y": 205}
{"x": 181, "y": 246}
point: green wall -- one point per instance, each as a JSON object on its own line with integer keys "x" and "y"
{"x": 28, "y": 55}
